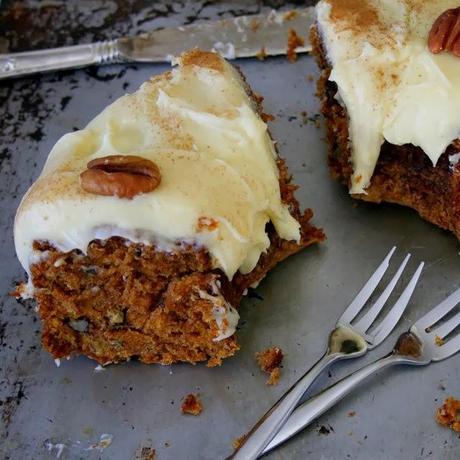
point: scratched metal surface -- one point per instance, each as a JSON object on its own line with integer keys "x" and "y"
{"x": 47, "y": 410}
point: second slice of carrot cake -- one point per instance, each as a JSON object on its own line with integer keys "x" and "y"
{"x": 390, "y": 92}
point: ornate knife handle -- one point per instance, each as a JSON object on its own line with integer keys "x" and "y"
{"x": 68, "y": 57}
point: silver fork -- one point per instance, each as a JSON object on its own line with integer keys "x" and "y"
{"x": 420, "y": 346}
{"x": 348, "y": 340}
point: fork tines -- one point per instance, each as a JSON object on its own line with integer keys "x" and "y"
{"x": 427, "y": 327}
{"x": 393, "y": 316}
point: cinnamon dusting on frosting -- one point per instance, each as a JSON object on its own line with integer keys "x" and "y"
{"x": 359, "y": 17}
{"x": 202, "y": 59}
{"x": 356, "y": 15}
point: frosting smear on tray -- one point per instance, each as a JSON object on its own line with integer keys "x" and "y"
{"x": 219, "y": 179}
{"x": 392, "y": 86}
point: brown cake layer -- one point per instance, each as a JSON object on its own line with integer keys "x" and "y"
{"x": 403, "y": 174}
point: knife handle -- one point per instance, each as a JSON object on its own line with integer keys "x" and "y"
{"x": 67, "y": 57}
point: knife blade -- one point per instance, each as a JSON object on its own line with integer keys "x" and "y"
{"x": 236, "y": 37}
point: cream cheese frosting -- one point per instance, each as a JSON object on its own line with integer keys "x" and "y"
{"x": 216, "y": 160}
{"x": 391, "y": 85}
{"x": 225, "y": 315}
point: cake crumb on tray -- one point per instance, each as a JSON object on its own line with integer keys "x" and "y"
{"x": 191, "y": 405}
{"x": 269, "y": 361}
{"x": 262, "y": 54}
{"x": 238, "y": 442}
{"x": 146, "y": 453}
{"x": 293, "y": 42}
{"x": 448, "y": 414}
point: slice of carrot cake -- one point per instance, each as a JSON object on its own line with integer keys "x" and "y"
{"x": 390, "y": 93}
{"x": 146, "y": 228}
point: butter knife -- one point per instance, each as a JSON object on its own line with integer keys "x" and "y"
{"x": 237, "y": 37}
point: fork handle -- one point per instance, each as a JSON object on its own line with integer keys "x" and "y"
{"x": 67, "y": 57}
{"x": 261, "y": 434}
{"x": 319, "y": 404}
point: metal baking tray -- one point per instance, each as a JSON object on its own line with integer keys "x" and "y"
{"x": 46, "y": 410}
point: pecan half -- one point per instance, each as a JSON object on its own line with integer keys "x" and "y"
{"x": 445, "y": 33}
{"x": 124, "y": 176}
